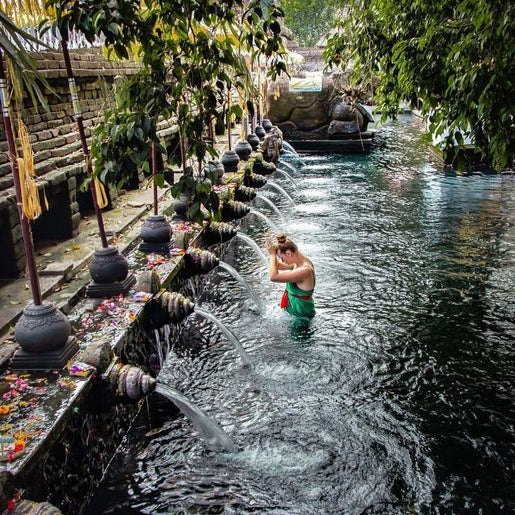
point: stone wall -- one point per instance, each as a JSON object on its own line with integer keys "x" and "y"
{"x": 57, "y": 151}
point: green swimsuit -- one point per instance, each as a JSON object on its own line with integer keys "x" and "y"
{"x": 298, "y": 302}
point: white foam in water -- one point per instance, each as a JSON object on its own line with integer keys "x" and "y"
{"x": 314, "y": 194}
{"x": 313, "y": 208}
{"x": 318, "y": 181}
{"x": 277, "y": 459}
{"x": 306, "y": 227}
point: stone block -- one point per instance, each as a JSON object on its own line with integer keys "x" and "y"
{"x": 76, "y": 222}
{"x": 70, "y": 138}
{"x": 57, "y": 179}
{"x": 59, "y": 268}
{"x": 97, "y": 354}
{"x": 42, "y": 156}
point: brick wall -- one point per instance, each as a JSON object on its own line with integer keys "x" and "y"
{"x": 57, "y": 149}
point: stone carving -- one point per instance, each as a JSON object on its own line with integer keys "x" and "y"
{"x": 320, "y": 120}
{"x": 218, "y": 232}
{"x": 42, "y": 328}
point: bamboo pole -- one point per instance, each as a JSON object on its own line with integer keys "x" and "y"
{"x": 229, "y": 140}
{"x": 24, "y": 223}
{"x": 80, "y": 124}
{"x": 154, "y": 173}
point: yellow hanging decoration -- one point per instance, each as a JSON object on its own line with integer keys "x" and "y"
{"x": 100, "y": 193}
{"x": 31, "y": 206}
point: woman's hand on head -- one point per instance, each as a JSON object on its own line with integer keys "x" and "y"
{"x": 270, "y": 247}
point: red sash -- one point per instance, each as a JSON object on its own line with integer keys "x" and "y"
{"x": 284, "y": 300}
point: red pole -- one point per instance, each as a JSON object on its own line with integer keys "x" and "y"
{"x": 154, "y": 173}
{"x": 182, "y": 145}
{"x": 25, "y": 228}
{"x": 229, "y": 119}
{"x": 82, "y": 134}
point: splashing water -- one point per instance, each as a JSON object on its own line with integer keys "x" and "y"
{"x": 254, "y": 245}
{"x": 281, "y": 190}
{"x": 288, "y": 176}
{"x": 243, "y": 282}
{"x": 231, "y": 337}
{"x": 267, "y": 201}
{"x": 211, "y": 433}
{"x": 288, "y": 165}
{"x": 262, "y": 216}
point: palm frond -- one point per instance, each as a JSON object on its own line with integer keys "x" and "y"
{"x": 23, "y": 67}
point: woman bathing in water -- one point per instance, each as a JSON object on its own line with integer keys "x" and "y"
{"x": 288, "y": 265}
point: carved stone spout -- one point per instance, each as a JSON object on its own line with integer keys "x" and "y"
{"x": 130, "y": 382}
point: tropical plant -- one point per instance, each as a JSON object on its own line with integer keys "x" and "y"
{"x": 453, "y": 60}
{"x": 192, "y": 53}
{"x": 15, "y": 43}
{"x": 309, "y": 20}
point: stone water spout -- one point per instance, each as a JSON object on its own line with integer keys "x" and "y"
{"x": 261, "y": 167}
{"x": 244, "y": 193}
{"x": 232, "y": 210}
{"x": 199, "y": 262}
{"x": 129, "y": 382}
{"x": 253, "y": 180}
{"x": 176, "y": 306}
{"x": 217, "y": 232}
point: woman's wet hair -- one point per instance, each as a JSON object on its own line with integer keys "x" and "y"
{"x": 284, "y": 243}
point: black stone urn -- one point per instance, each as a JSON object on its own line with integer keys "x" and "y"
{"x": 180, "y": 206}
{"x": 42, "y": 328}
{"x": 267, "y": 124}
{"x": 156, "y": 234}
{"x": 217, "y": 168}
{"x": 230, "y": 161}
{"x": 260, "y": 132}
{"x": 155, "y": 229}
{"x": 244, "y": 194}
{"x": 253, "y": 141}
{"x": 243, "y": 149}
{"x": 108, "y": 266}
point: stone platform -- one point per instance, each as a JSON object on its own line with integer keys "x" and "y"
{"x": 66, "y": 425}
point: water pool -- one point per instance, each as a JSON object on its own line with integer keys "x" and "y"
{"x": 396, "y": 399}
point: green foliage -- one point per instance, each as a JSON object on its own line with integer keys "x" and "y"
{"x": 192, "y": 54}
{"x": 453, "y": 60}
{"x": 24, "y": 66}
{"x": 199, "y": 193}
{"x": 309, "y": 20}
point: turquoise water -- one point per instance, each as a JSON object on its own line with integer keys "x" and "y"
{"x": 396, "y": 399}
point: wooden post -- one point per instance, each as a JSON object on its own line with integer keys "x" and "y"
{"x": 229, "y": 141}
{"x": 82, "y": 134}
{"x": 25, "y": 228}
{"x": 154, "y": 173}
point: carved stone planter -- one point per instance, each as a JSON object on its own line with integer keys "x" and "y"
{"x": 243, "y": 149}
{"x": 253, "y": 141}
{"x": 156, "y": 234}
{"x": 230, "y": 161}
